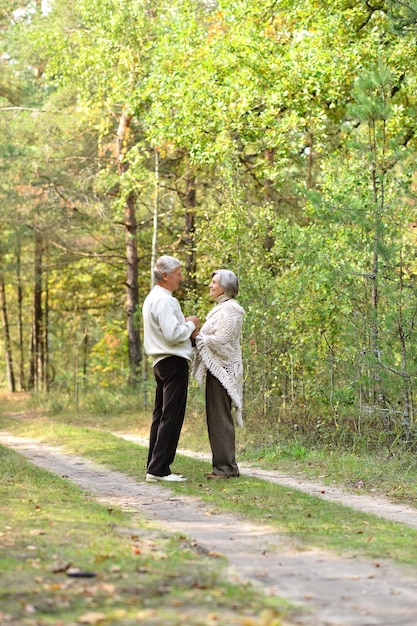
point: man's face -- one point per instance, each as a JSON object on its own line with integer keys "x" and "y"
{"x": 171, "y": 281}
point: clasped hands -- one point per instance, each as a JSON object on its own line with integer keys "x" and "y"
{"x": 197, "y": 324}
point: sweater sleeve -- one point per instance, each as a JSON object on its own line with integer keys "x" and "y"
{"x": 172, "y": 322}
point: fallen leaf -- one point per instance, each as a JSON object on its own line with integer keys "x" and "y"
{"x": 60, "y": 567}
{"x": 8, "y": 542}
{"x": 147, "y": 613}
{"x": 92, "y": 618}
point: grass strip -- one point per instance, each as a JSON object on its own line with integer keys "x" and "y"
{"x": 65, "y": 559}
{"x": 306, "y": 520}
{"x": 385, "y": 469}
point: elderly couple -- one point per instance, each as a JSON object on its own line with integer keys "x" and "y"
{"x": 169, "y": 338}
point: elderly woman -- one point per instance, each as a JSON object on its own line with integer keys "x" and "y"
{"x": 218, "y": 358}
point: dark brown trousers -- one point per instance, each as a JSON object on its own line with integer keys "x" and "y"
{"x": 221, "y": 428}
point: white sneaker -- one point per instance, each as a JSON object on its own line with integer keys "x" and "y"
{"x": 170, "y": 478}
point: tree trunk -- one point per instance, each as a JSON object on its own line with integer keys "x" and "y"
{"x": 155, "y": 218}
{"x": 132, "y": 295}
{"x": 45, "y": 329}
{"x": 406, "y": 378}
{"x": 268, "y": 192}
{"x": 36, "y": 364}
{"x": 11, "y": 384}
{"x": 22, "y": 378}
{"x": 132, "y": 290}
{"x": 189, "y": 235}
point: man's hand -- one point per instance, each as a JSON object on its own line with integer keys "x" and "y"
{"x": 197, "y": 324}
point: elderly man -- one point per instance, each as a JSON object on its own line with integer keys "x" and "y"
{"x": 167, "y": 339}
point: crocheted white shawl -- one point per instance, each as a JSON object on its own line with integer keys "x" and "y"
{"x": 218, "y": 350}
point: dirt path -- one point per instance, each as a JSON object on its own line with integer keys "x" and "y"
{"x": 332, "y": 590}
{"x": 376, "y": 505}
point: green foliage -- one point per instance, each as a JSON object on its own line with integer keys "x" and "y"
{"x": 296, "y": 123}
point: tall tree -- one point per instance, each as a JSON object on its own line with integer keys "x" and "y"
{"x": 134, "y": 342}
{"x": 11, "y": 383}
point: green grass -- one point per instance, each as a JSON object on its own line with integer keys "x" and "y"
{"x": 48, "y": 526}
{"x": 387, "y": 471}
{"x": 305, "y": 520}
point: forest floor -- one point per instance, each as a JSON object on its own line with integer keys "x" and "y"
{"x": 330, "y": 589}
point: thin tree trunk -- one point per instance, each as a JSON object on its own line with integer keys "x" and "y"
{"x": 37, "y": 335}
{"x": 268, "y": 192}
{"x": 189, "y": 235}
{"x": 132, "y": 295}
{"x": 378, "y": 392}
{"x": 310, "y": 162}
{"x": 406, "y": 378}
{"x": 155, "y": 218}
{"x": 45, "y": 350}
{"x": 11, "y": 384}
{"x": 22, "y": 378}
{"x": 132, "y": 290}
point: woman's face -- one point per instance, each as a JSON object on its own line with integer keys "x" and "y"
{"x": 215, "y": 289}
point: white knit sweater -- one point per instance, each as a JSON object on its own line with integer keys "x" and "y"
{"x": 217, "y": 349}
{"x": 166, "y": 331}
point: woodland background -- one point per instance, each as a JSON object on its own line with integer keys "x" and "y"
{"x": 274, "y": 138}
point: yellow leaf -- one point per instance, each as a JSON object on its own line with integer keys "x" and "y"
{"x": 92, "y": 618}
{"x": 119, "y": 614}
{"x": 108, "y": 588}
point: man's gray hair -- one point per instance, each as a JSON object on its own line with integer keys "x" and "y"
{"x": 165, "y": 265}
{"x": 228, "y": 281}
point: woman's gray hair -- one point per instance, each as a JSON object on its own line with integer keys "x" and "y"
{"x": 228, "y": 281}
{"x": 165, "y": 265}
